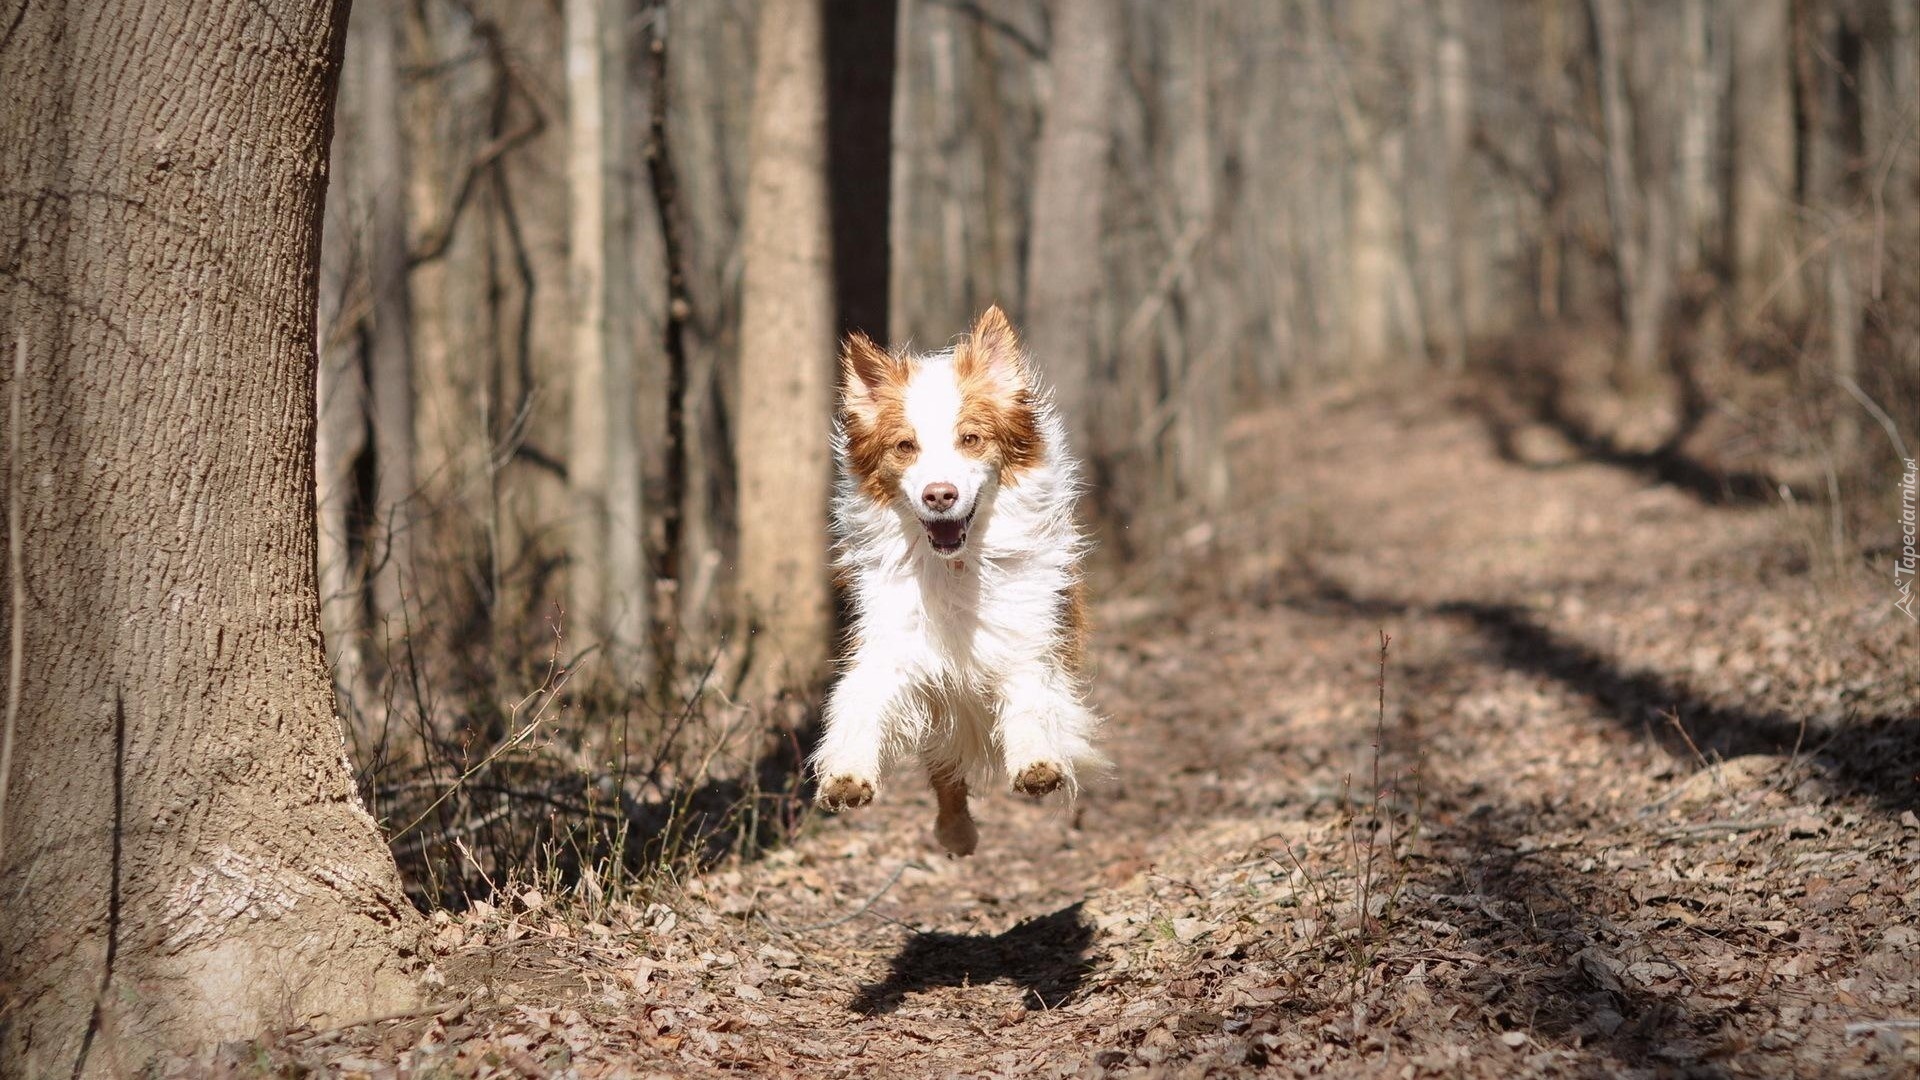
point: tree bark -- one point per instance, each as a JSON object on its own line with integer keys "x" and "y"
{"x": 339, "y": 441}
{"x": 1064, "y": 272}
{"x": 1639, "y": 200}
{"x": 707, "y": 112}
{"x": 1383, "y": 311}
{"x": 1699, "y": 136}
{"x": 1761, "y": 233}
{"x": 1439, "y": 146}
{"x": 608, "y": 573}
{"x": 185, "y": 859}
{"x": 786, "y": 355}
{"x": 1472, "y": 273}
{"x": 383, "y": 169}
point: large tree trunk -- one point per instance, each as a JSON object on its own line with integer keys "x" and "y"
{"x": 786, "y": 354}
{"x": 1064, "y": 273}
{"x": 184, "y": 859}
{"x": 608, "y": 576}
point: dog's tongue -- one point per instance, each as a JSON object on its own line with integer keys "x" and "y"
{"x": 946, "y": 534}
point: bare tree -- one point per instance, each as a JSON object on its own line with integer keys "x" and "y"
{"x": 1639, "y": 199}
{"x": 341, "y": 435}
{"x": 786, "y": 354}
{"x": 1761, "y": 229}
{"x": 183, "y": 855}
{"x": 702, "y": 128}
{"x": 1383, "y": 313}
{"x": 608, "y": 577}
{"x": 382, "y": 163}
{"x": 1704, "y": 60}
{"x": 1438, "y": 150}
{"x": 1064, "y": 272}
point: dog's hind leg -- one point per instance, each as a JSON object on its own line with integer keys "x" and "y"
{"x": 954, "y": 825}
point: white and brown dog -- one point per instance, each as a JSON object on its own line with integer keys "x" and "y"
{"x": 955, "y": 530}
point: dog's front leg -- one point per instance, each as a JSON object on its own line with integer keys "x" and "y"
{"x": 863, "y": 712}
{"x": 1046, "y": 731}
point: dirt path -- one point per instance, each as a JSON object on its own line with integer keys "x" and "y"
{"x": 1647, "y": 793}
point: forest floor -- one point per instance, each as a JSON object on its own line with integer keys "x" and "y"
{"x": 1643, "y": 805}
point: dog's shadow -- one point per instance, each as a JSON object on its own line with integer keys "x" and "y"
{"x": 1045, "y": 956}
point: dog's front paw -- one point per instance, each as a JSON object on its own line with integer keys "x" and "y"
{"x": 845, "y": 792}
{"x": 1039, "y": 778}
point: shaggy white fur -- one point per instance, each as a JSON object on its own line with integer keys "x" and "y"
{"x": 959, "y": 657}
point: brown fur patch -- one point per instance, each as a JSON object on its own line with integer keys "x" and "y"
{"x": 996, "y": 391}
{"x": 873, "y": 410}
{"x": 1071, "y": 652}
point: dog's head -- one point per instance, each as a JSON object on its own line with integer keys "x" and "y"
{"x": 936, "y": 433}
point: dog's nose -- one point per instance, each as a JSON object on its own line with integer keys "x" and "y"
{"x": 940, "y": 497}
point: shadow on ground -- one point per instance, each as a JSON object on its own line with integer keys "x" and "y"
{"x": 1047, "y": 957}
{"x": 1870, "y": 759}
{"x": 1532, "y": 389}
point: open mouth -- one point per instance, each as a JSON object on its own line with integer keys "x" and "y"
{"x": 948, "y": 536}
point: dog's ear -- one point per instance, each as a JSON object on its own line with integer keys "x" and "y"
{"x": 864, "y": 368}
{"x": 993, "y": 356}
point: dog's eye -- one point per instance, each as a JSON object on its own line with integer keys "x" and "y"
{"x": 906, "y": 446}
{"x": 970, "y": 439}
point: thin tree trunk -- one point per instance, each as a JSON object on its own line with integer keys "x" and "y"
{"x": 340, "y": 440}
{"x": 1639, "y": 203}
{"x": 185, "y": 860}
{"x": 1472, "y": 276}
{"x": 1552, "y": 80}
{"x": 786, "y": 355}
{"x": 1064, "y": 274}
{"x": 607, "y": 578}
{"x": 1610, "y": 43}
{"x": 1760, "y": 226}
{"x": 383, "y": 168}
{"x": 1699, "y": 135}
{"x": 1430, "y": 199}
{"x": 707, "y": 110}
{"x": 1200, "y": 396}
{"x": 1383, "y": 311}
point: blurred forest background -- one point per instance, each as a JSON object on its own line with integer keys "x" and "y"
{"x": 585, "y": 264}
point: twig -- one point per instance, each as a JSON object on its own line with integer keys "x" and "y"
{"x": 973, "y": 10}
{"x": 461, "y": 845}
{"x": 1878, "y": 413}
{"x": 1673, "y": 717}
